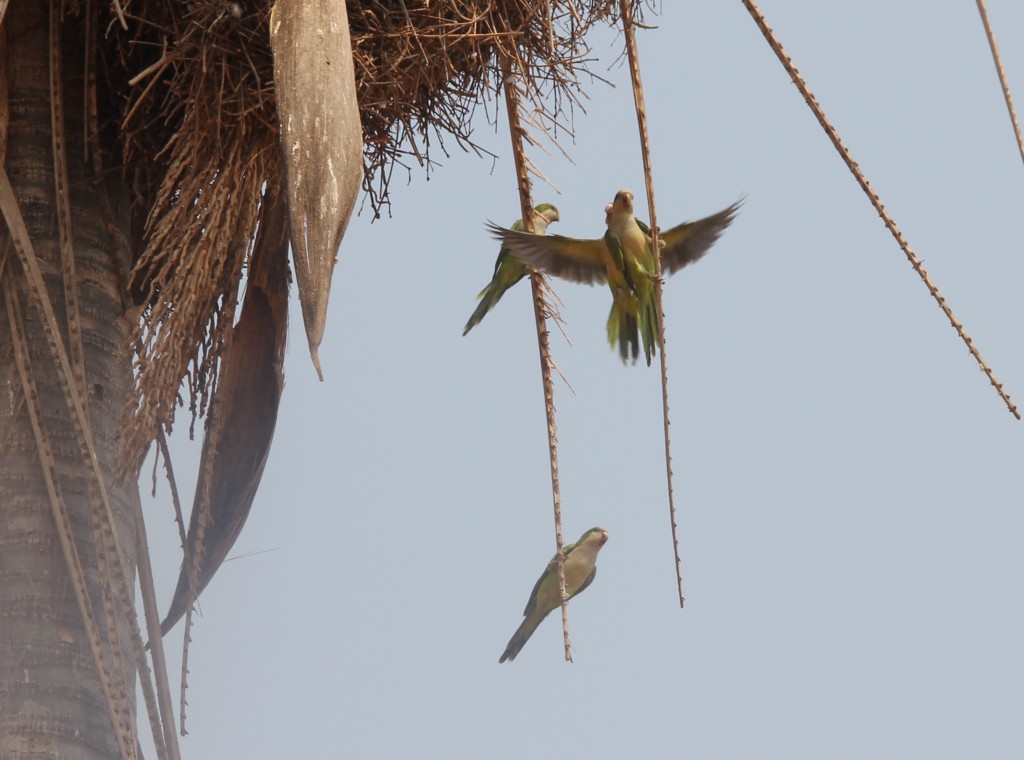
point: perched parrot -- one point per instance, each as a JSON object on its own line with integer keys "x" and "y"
{"x": 580, "y": 569}
{"x": 508, "y": 270}
{"x": 624, "y": 259}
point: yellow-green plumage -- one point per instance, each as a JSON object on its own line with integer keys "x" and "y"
{"x": 508, "y": 270}
{"x": 624, "y": 259}
{"x": 580, "y": 569}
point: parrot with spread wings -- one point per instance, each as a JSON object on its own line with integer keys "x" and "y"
{"x": 624, "y": 259}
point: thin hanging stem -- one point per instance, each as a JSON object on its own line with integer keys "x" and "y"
{"x": 915, "y": 262}
{"x": 161, "y": 440}
{"x": 1002, "y": 76}
{"x": 169, "y": 740}
{"x": 645, "y": 149}
{"x": 540, "y": 312}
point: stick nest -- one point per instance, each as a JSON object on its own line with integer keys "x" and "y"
{"x": 193, "y": 85}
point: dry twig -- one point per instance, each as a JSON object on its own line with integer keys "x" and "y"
{"x": 540, "y": 310}
{"x": 915, "y": 262}
{"x": 997, "y": 60}
{"x": 659, "y": 282}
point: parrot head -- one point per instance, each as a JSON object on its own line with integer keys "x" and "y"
{"x": 596, "y": 537}
{"x": 548, "y": 211}
{"x": 623, "y": 202}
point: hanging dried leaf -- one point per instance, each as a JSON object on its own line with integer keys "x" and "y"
{"x": 321, "y": 140}
{"x": 243, "y": 413}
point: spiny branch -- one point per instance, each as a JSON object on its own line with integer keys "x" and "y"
{"x": 540, "y": 309}
{"x": 1002, "y": 76}
{"x": 915, "y": 262}
{"x": 628, "y": 28}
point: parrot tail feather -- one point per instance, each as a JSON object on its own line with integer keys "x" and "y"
{"x": 649, "y": 330}
{"x": 623, "y": 328}
{"x": 489, "y": 297}
{"x": 485, "y": 305}
{"x": 520, "y": 637}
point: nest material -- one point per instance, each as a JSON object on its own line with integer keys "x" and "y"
{"x": 423, "y": 66}
{"x": 200, "y": 139}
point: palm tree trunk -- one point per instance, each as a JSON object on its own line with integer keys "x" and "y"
{"x": 51, "y": 701}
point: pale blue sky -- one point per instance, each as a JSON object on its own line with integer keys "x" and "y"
{"x": 849, "y": 484}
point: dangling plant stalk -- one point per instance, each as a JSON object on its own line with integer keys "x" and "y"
{"x": 628, "y": 29}
{"x": 540, "y": 313}
{"x": 162, "y": 722}
{"x": 915, "y": 262}
{"x": 998, "y": 61}
{"x": 156, "y": 641}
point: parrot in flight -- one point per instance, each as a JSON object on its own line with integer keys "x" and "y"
{"x": 624, "y": 259}
{"x": 508, "y": 270}
{"x": 580, "y": 568}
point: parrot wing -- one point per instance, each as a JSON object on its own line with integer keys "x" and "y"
{"x": 583, "y": 261}
{"x": 689, "y": 241}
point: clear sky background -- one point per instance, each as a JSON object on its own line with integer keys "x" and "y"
{"x": 850, "y": 486}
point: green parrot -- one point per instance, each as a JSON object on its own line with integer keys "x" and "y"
{"x": 508, "y": 270}
{"x": 624, "y": 259}
{"x": 580, "y": 569}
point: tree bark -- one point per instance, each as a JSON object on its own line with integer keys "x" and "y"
{"x": 51, "y": 701}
